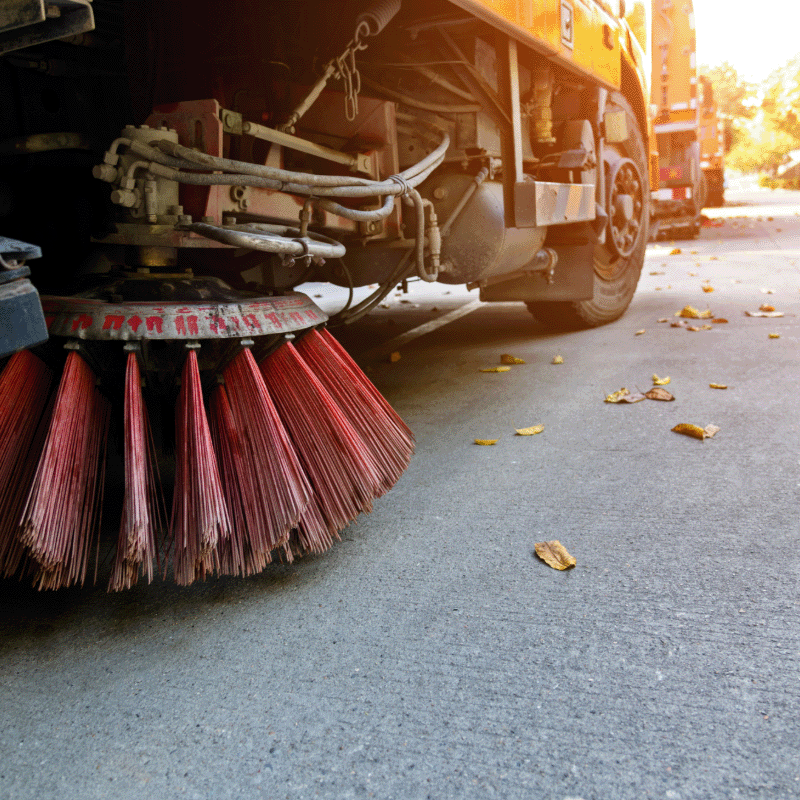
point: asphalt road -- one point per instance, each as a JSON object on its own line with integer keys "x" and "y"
{"x": 430, "y": 654}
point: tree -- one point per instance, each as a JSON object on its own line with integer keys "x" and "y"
{"x": 736, "y": 101}
{"x": 781, "y": 101}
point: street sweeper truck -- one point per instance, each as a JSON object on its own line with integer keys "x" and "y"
{"x": 677, "y": 196}
{"x": 174, "y": 169}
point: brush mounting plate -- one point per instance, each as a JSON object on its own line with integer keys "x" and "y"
{"x": 96, "y": 320}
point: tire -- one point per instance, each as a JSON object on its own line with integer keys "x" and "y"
{"x": 615, "y": 275}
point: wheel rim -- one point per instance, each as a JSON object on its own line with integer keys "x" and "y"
{"x": 626, "y": 205}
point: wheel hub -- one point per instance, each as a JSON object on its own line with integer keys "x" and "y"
{"x": 626, "y": 202}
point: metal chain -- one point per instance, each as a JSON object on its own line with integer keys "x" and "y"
{"x": 347, "y": 72}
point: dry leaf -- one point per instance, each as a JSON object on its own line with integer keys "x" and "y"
{"x": 496, "y": 369}
{"x": 659, "y": 288}
{"x": 687, "y": 429}
{"x": 774, "y": 336}
{"x": 394, "y": 357}
{"x": 770, "y": 314}
{"x": 554, "y": 554}
{"x": 663, "y": 319}
{"x": 530, "y": 431}
{"x": 486, "y": 441}
{"x": 507, "y": 359}
{"x": 678, "y": 323}
{"x": 766, "y": 307}
{"x": 718, "y": 385}
{"x": 676, "y": 251}
{"x": 692, "y": 274}
{"x": 639, "y": 333}
{"x": 695, "y": 431}
{"x": 767, "y": 291}
{"x": 660, "y": 381}
{"x": 719, "y": 321}
{"x": 692, "y": 328}
{"x": 624, "y": 396}
{"x": 615, "y": 397}
{"x": 708, "y": 289}
{"x": 558, "y": 360}
{"x": 657, "y": 273}
{"x": 690, "y": 312}
{"x": 706, "y": 327}
{"x": 713, "y": 258}
{"x": 657, "y": 393}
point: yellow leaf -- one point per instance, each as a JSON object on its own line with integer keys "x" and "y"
{"x": 530, "y": 431}
{"x": 708, "y": 289}
{"x": 690, "y": 312}
{"x": 720, "y": 321}
{"x": 507, "y": 359}
{"x": 676, "y": 251}
{"x": 394, "y": 357}
{"x": 639, "y": 333}
{"x": 558, "y": 360}
{"x": 766, "y": 307}
{"x": 486, "y": 441}
{"x": 554, "y": 554}
{"x": 718, "y": 385}
{"x": 692, "y": 328}
{"x": 496, "y": 369}
{"x": 660, "y": 381}
{"x": 663, "y": 319}
{"x": 706, "y": 327}
{"x": 695, "y": 431}
{"x": 774, "y": 336}
{"x": 687, "y": 429}
{"x": 616, "y": 397}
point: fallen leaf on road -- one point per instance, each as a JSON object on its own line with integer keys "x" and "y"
{"x": 767, "y": 291}
{"x": 766, "y": 307}
{"x": 690, "y": 312}
{"x": 657, "y": 393}
{"x": 660, "y": 381}
{"x": 706, "y": 327}
{"x": 486, "y": 441}
{"x": 394, "y": 357}
{"x": 663, "y": 319}
{"x": 554, "y": 554}
{"x": 692, "y": 274}
{"x": 692, "y": 328}
{"x": 774, "y": 336}
{"x": 713, "y": 258}
{"x": 639, "y": 333}
{"x": 720, "y": 321}
{"x": 717, "y": 385}
{"x": 708, "y": 288}
{"x": 624, "y": 396}
{"x": 676, "y": 251}
{"x": 558, "y": 360}
{"x": 693, "y": 252}
{"x": 507, "y": 359}
{"x": 657, "y": 273}
{"x": 530, "y": 431}
{"x": 695, "y": 431}
{"x": 770, "y": 314}
{"x": 496, "y": 369}
{"x": 678, "y": 323}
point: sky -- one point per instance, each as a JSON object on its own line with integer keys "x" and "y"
{"x": 756, "y": 36}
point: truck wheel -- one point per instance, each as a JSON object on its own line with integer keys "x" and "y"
{"x": 618, "y": 262}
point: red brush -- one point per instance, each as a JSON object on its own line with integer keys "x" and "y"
{"x": 142, "y": 514}
{"x": 341, "y": 468}
{"x": 24, "y": 390}
{"x": 199, "y": 513}
{"x": 386, "y": 435}
{"x": 264, "y": 480}
{"x": 61, "y": 517}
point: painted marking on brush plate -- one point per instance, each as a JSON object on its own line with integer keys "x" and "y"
{"x": 82, "y": 318}
{"x": 420, "y": 330}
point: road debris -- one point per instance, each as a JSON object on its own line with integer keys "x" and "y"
{"x": 558, "y": 360}
{"x": 695, "y": 431}
{"x": 690, "y": 312}
{"x": 508, "y": 359}
{"x": 774, "y": 336}
{"x": 771, "y": 314}
{"x": 554, "y": 554}
{"x": 496, "y": 369}
{"x": 640, "y": 332}
{"x": 717, "y": 385}
{"x": 394, "y": 357}
{"x": 529, "y": 431}
{"x": 660, "y": 381}
{"x": 624, "y": 396}
{"x": 486, "y": 442}
{"x": 676, "y": 251}
{"x": 658, "y": 393}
